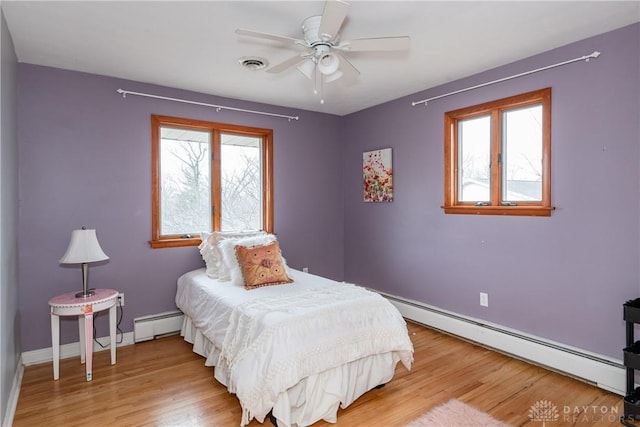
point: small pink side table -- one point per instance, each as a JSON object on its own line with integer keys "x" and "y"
{"x": 68, "y": 305}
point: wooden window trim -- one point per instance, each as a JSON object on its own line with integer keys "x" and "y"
{"x": 172, "y": 241}
{"x": 495, "y": 108}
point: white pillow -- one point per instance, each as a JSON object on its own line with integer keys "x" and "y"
{"x": 210, "y": 251}
{"x": 229, "y": 269}
{"x": 209, "y": 254}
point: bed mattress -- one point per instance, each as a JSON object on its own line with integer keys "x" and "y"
{"x": 299, "y": 350}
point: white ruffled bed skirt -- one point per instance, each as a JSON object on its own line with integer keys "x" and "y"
{"x": 316, "y": 397}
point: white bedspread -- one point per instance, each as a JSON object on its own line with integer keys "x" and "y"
{"x": 273, "y": 337}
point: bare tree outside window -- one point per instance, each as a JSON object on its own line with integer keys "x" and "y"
{"x": 206, "y": 177}
{"x": 241, "y": 184}
{"x": 186, "y": 181}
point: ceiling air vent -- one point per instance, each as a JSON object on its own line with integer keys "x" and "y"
{"x": 253, "y": 63}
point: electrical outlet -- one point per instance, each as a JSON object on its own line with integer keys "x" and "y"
{"x": 484, "y": 299}
{"x": 121, "y": 299}
{"x": 305, "y": 269}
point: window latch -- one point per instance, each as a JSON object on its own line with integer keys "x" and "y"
{"x": 509, "y": 204}
{"x": 482, "y": 203}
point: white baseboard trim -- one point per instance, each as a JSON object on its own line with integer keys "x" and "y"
{"x": 602, "y": 371}
{"x": 43, "y": 355}
{"x": 12, "y": 402}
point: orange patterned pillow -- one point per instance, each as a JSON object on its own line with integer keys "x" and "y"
{"x": 261, "y": 265}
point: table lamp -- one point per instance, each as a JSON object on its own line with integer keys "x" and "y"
{"x": 83, "y": 249}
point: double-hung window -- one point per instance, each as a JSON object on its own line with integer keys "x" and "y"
{"x": 208, "y": 176}
{"x": 498, "y": 157}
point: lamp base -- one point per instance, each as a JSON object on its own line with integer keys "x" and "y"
{"x": 86, "y": 294}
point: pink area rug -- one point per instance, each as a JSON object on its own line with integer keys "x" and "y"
{"x": 455, "y": 413}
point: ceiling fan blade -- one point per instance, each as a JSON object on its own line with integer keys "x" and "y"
{"x": 335, "y": 12}
{"x": 275, "y": 37}
{"x": 375, "y": 44}
{"x": 345, "y": 69}
{"x": 349, "y": 71}
{"x": 289, "y": 63}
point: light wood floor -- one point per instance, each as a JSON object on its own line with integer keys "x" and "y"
{"x": 162, "y": 383}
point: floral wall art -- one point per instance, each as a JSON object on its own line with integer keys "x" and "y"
{"x": 377, "y": 172}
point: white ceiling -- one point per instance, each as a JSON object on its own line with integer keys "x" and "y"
{"x": 193, "y": 46}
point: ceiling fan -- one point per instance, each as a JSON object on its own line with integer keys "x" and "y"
{"x": 323, "y": 59}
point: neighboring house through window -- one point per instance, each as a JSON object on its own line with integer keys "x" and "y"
{"x": 498, "y": 157}
{"x": 209, "y": 176}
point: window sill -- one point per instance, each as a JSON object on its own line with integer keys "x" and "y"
{"x": 175, "y": 243}
{"x": 499, "y": 210}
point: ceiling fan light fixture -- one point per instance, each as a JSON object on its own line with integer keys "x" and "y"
{"x": 333, "y": 77}
{"x": 328, "y": 63}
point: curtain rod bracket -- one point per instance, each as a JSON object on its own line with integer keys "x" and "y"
{"x": 593, "y": 55}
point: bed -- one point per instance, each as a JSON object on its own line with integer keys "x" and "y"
{"x": 293, "y": 352}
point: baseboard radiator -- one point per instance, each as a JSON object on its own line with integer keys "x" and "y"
{"x": 146, "y": 328}
{"x": 602, "y": 371}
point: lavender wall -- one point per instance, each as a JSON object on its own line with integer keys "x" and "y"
{"x": 9, "y": 321}
{"x": 563, "y": 278}
{"x": 85, "y": 160}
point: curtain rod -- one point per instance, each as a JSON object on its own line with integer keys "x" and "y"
{"x": 217, "y": 107}
{"x": 582, "y": 58}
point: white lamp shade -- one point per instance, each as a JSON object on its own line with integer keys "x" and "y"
{"x": 328, "y": 64}
{"x": 307, "y": 68}
{"x": 333, "y": 77}
{"x": 83, "y": 247}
